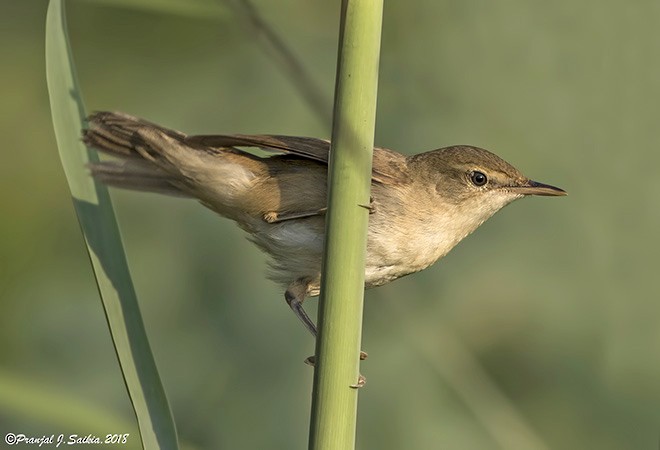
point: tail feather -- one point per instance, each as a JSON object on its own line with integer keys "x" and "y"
{"x": 156, "y": 159}
{"x": 141, "y": 165}
{"x": 136, "y": 175}
{"x": 120, "y": 134}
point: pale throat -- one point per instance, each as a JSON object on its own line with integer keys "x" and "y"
{"x": 453, "y": 222}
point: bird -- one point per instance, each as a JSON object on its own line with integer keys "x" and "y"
{"x": 422, "y": 205}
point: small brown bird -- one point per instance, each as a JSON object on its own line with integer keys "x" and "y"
{"x": 422, "y": 205}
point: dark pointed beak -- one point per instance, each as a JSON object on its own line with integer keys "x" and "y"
{"x": 535, "y": 188}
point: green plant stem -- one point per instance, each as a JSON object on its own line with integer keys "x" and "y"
{"x": 101, "y": 233}
{"x": 334, "y": 404}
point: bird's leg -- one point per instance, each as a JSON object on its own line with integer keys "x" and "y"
{"x": 295, "y": 295}
{"x": 275, "y": 217}
{"x": 294, "y": 298}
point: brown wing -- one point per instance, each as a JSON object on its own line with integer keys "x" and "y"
{"x": 389, "y": 167}
{"x": 311, "y": 148}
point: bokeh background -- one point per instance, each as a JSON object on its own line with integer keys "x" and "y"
{"x": 542, "y": 330}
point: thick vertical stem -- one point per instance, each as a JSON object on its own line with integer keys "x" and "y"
{"x": 334, "y": 406}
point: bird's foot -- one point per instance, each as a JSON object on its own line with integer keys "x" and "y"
{"x": 371, "y": 207}
{"x": 311, "y": 361}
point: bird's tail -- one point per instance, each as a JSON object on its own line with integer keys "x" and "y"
{"x": 141, "y": 149}
{"x": 156, "y": 159}
{"x": 146, "y": 153}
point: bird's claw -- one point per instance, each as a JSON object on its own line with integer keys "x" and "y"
{"x": 311, "y": 361}
{"x": 360, "y": 382}
{"x": 371, "y": 207}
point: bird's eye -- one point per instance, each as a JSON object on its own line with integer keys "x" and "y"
{"x": 478, "y": 178}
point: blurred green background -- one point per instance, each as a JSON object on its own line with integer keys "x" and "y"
{"x": 542, "y": 330}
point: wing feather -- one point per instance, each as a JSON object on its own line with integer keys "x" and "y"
{"x": 389, "y": 167}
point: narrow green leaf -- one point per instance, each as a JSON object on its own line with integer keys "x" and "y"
{"x": 99, "y": 227}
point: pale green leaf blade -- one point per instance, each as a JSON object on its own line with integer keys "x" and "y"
{"x": 99, "y": 227}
